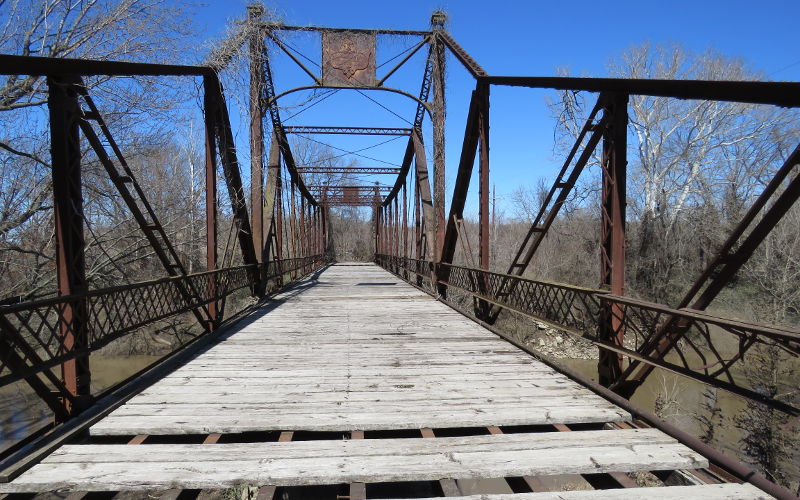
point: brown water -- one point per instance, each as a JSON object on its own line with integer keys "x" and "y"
{"x": 22, "y": 412}
{"x": 681, "y": 401}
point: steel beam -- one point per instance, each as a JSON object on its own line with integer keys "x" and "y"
{"x": 230, "y": 169}
{"x": 426, "y": 201}
{"x": 292, "y": 222}
{"x": 424, "y": 92}
{"x": 469, "y": 149}
{"x": 30, "y": 65}
{"x": 612, "y": 232}
{"x": 482, "y": 307}
{"x": 257, "y": 53}
{"x": 281, "y": 27}
{"x": 463, "y": 57}
{"x": 405, "y": 222}
{"x": 278, "y": 215}
{"x": 347, "y": 130}
{"x": 785, "y": 94}
{"x": 348, "y": 170}
{"x": 439, "y": 112}
{"x": 270, "y": 100}
{"x": 396, "y": 227}
{"x": 271, "y": 200}
{"x": 209, "y": 102}
{"x": 68, "y": 217}
{"x": 337, "y": 187}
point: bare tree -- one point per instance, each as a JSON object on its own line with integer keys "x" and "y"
{"x": 136, "y": 30}
{"x": 693, "y": 165}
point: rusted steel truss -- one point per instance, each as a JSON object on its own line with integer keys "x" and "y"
{"x": 284, "y": 234}
{"x": 40, "y": 336}
{"x": 605, "y": 316}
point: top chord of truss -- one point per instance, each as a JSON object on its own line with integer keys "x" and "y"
{"x": 353, "y": 30}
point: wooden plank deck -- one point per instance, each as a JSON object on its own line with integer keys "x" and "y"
{"x": 359, "y": 350}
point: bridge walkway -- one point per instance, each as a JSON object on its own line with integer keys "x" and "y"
{"x": 356, "y": 378}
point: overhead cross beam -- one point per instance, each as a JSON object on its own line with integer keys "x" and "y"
{"x": 348, "y": 170}
{"x": 347, "y": 130}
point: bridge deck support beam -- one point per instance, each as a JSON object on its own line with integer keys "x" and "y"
{"x": 612, "y": 233}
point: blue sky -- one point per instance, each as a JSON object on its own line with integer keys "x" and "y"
{"x": 518, "y": 38}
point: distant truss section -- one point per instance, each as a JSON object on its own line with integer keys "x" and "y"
{"x": 348, "y": 130}
{"x": 348, "y": 170}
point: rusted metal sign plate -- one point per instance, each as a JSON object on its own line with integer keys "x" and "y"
{"x": 348, "y": 58}
{"x": 351, "y": 194}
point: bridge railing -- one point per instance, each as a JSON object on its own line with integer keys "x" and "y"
{"x": 582, "y": 311}
{"x": 33, "y": 343}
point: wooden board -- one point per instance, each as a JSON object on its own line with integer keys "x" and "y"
{"x": 705, "y": 492}
{"x": 125, "y": 467}
{"x": 359, "y": 350}
{"x": 329, "y": 357}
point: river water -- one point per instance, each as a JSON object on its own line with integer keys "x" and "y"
{"x": 22, "y": 412}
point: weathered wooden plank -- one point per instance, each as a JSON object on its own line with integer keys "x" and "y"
{"x": 730, "y": 491}
{"x": 467, "y": 417}
{"x": 289, "y": 410}
{"x": 244, "y": 400}
{"x": 348, "y": 354}
{"x": 365, "y": 378}
{"x": 89, "y": 467}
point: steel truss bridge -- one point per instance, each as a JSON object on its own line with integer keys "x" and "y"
{"x": 426, "y": 393}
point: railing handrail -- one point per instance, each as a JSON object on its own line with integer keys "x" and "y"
{"x": 20, "y": 306}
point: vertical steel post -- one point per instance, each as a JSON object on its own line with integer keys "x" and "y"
{"x": 483, "y": 194}
{"x": 417, "y": 224}
{"x": 397, "y": 235}
{"x": 376, "y": 211}
{"x": 320, "y": 209}
{"x": 387, "y": 237}
{"x": 68, "y": 218}
{"x": 323, "y": 227}
{"x": 209, "y": 107}
{"x": 375, "y": 235}
{"x": 278, "y": 214}
{"x": 405, "y": 222}
{"x": 439, "y": 112}
{"x": 301, "y": 233}
{"x": 293, "y": 227}
{"x": 383, "y": 230}
{"x": 314, "y": 232}
{"x": 309, "y": 233}
{"x": 270, "y": 197}
{"x": 612, "y": 251}
{"x": 483, "y": 158}
{"x": 392, "y": 238}
{"x": 254, "y": 14}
